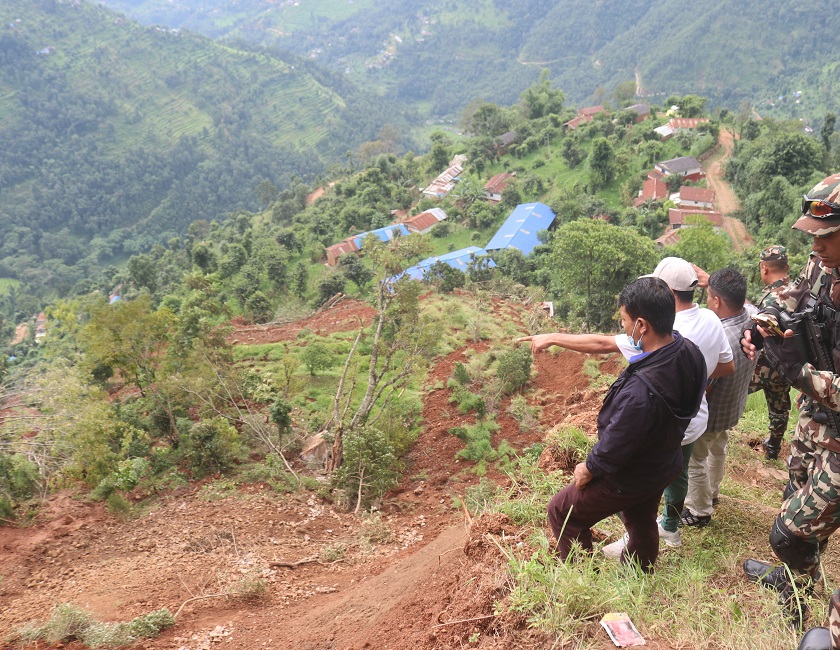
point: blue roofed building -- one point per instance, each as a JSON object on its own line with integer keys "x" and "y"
{"x": 459, "y": 259}
{"x": 385, "y": 234}
{"x": 520, "y": 229}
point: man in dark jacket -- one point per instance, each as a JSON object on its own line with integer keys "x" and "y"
{"x": 640, "y": 430}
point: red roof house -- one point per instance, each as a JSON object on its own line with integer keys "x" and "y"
{"x": 677, "y": 217}
{"x": 694, "y": 197}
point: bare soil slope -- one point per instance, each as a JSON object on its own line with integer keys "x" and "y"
{"x": 417, "y": 575}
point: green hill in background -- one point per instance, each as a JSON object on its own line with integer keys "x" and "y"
{"x": 442, "y": 56}
{"x": 116, "y": 135}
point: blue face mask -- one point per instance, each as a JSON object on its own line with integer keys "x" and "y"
{"x": 637, "y": 346}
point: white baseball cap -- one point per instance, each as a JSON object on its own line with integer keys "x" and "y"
{"x": 678, "y": 274}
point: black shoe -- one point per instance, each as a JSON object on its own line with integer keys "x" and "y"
{"x": 774, "y": 577}
{"x": 771, "y": 448}
{"x": 817, "y": 638}
{"x": 715, "y": 501}
{"x": 688, "y": 518}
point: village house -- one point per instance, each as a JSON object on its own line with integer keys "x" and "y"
{"x": 654, "y": 189}
{"x": 699, "y": 198}
{"x": 505, "y": 141}
{"x": 690, "y": 123}
{"x": 445, "y": 183}
{"x": 495, "y": 186}
{"x": 677, "y": 217}
{"x": 425, "y": 221}
{"x": 665, "y": 132}
{"x": 642, "y": 111}
{"x": 670, "y": 238}
{"x": 337, "y": 250}
{"x": 686, "y": 166}
{"x": 584, "y": 115}
{"x": 520, "y": 229}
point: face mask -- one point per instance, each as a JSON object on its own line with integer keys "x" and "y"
{"x": 637, "y": 346}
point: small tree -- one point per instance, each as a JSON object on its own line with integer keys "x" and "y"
{"x": 399, "y": 341}
{"x": 370, "y": 466}
{"x": 317, "y": 356}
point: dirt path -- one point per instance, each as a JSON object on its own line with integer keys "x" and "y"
{"x": 725, "y": 200}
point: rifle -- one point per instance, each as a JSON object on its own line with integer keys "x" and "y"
{"x": 810, "y": 329}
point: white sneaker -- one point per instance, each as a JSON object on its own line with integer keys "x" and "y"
{"x": 615, "y": 549}
{"x": 671, "y": 539}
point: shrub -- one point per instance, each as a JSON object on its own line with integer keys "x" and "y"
{"x": 212, "y": 445}
{"x": 527, "y": 416}
{"x": 468, "y": 401}
{"x": 478, "y": 438}
{"x": 460, "y": 374}
{"x": 19, "y": 481}
{"x": 69, "y": 623}
{"x": 514, "y": 368}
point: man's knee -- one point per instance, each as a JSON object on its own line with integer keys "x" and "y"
{"x": 799, "y": 553}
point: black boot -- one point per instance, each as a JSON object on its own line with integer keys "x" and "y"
{"x": 774, "y": 577}
{"x": 794, "y": 606}
{"x": 817, "y": 638}
{"x": 772, "y": 446}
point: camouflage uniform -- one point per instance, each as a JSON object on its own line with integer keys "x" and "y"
{"x": 776, "y": 388}
{"x": 810, "y": 512}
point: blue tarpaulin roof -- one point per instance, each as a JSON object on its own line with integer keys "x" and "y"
{"x": 456, "y": 259}
{"x": 520, "y": 229}
{"x": 385, "y": 234}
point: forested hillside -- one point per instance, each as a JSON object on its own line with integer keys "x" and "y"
{"x": 115, "y": 136}
{"x": 443, "y": 56}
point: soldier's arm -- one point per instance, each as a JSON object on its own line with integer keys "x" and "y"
{"x": 821, "y": 385}
{"x": 788, "y": 297}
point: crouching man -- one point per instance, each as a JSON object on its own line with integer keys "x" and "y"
{"x": 640, "y": 430}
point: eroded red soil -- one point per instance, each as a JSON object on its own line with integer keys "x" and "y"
{"x": 416, "y": 575}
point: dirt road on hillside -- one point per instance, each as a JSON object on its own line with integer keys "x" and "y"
{"x": 725, "y": 200}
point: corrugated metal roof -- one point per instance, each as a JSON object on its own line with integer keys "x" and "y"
{"x": 421, "y": 222}
{"x": 589, "y": 111}
{"x": 459, "y": 259}
{"x": 697, "y": 194}
{"x": 679, "y": 165}
{"x": 687, "y": 122}
{"x": 520, "y": 229}
{"x": 498, "y": 183}
{"x": 678, "y": 217}
{"x": 385, "y": 234}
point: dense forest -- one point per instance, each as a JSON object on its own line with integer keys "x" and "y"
{"x": 442, "y": 57}
{"x": 117, "y": 136}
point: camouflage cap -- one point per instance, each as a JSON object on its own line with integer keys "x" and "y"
{"x": 826, "y": 191}
{"x": 774, "y": 254}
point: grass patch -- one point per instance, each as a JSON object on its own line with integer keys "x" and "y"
{"x": 70, "y": 623}
{"x": 696, "y": 598}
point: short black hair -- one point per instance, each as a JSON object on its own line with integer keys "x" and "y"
{"x": 730, "y": 286}
{"x": 776, "y": 265}
{"x": 685, "y": 297}
{"x": 651, "y": 299}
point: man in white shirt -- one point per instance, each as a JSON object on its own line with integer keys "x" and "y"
{"x": 698, "y": 325}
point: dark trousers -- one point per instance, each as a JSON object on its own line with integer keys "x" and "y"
{"x": 572, "y": 513}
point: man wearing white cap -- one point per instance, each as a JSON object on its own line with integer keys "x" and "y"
{"x": 698, "y": 325}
